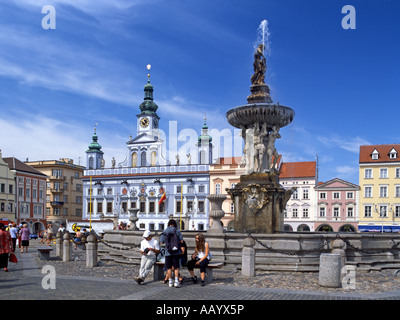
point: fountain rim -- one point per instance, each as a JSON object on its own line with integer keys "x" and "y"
{"x": 249, "y": 106}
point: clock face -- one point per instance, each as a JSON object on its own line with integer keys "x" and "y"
{"x": 144, "y": 122}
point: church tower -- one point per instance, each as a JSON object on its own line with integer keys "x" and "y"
{"x": 204, "y": 145}
{"x": 94, "y": 155}
{"x": 145, "y": 148}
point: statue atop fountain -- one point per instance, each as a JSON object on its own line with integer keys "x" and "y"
{"x": 259, "y": 199}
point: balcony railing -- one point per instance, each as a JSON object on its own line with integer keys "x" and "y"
{"x": 57, "y": 203}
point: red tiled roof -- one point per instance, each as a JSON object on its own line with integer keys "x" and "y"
{"x": 383, "y": 149}
{"x": 15, "y": 164}
{"x": 298, "y": 169}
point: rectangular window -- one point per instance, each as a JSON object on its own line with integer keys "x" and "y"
{"x": 202, "y": 189}
{"x": 383, "y": 173}
{"x": 368, "y": 192}
{"x": 397, "y": 172}
{"x": 161, "y": 208}
{"x": 178, "y": 189}
{"x": 322, "y": 195}
{"x": 201, "y": 206}
{"x": 305, "y": 213}
{"x": 397, "y": 211}
{"x": 109, "y": 207}
{"x": 178, "y": 206}
{"x": 124, "y": 207}
{"x": 295, "y": 194}
{"x": 190, "y": 189}
{"x": 336, "y": 195}
{"x": 336, "y": 212}
{"x": 350, "y": 195}
{"x": 99, "y": 207}
{"x": 142, "y": 208}
{"x": 383, "y": 191}
{"x": 367, "y": 211}
{"x": 322, "y": 212}
{"x": 368, "y": 173}
{"x": 397, "y": 192}
{"x": 350, "y": 212}
{"x": 305, "y": 194}
{"x": 189, "y": 206}
{"x": 295, "y": 213}
{"x": 152, "y": 207}
{"x": 56, "y": 172}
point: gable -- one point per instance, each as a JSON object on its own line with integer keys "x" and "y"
{"x": 143, "y": 138}
{"x": 336, "y": 184}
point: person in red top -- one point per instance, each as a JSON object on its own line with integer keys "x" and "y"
{"x": 5, "y": 247}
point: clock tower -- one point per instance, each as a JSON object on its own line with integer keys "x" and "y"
{"x": 145, "y": 148}
{"x": 147, "y": 119}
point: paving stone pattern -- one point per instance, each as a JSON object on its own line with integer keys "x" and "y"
{"x": 112, "y": 281}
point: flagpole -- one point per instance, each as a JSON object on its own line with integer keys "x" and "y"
{"x": 90, "y": 205}
{"x": 180, "y": 221}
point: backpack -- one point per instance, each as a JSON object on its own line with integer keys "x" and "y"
{"x": 172, "y": 243}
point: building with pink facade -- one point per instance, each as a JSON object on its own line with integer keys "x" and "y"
{"x": 337, "y": 206}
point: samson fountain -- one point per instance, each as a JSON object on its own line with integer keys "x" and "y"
{"x": 259, "y": 199}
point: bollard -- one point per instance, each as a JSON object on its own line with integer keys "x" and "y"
{"x": 66, "y": 247}
{"x": 59, "y": 244}
{"x": 91, "y": 251}
{"x": 339, "y": 247}
{"x": 329, "y": 270}
{"x": 248, "y": 258}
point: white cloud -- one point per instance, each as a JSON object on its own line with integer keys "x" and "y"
{"x": 351, "y": 144}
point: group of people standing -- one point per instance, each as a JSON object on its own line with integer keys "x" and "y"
{"x": 21, "y": 233}
{"x": 175, "y": 255}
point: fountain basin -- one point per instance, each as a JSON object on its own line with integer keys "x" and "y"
{"x": 272, "y": 114}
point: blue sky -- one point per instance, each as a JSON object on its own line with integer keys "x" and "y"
{"x": 56, "y": 84}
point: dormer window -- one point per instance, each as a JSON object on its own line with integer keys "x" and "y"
{"x": 393, "y": 154}
{"x": 375, "y": 155}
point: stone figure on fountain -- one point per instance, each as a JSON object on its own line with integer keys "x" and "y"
{"x": 259, "y": 200}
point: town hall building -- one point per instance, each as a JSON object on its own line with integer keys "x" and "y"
{"x": 146, "y": 182}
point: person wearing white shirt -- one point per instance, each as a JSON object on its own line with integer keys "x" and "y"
{"x": 149, "y": 248}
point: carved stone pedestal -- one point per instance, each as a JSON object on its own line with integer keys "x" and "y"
{"x": 259, "y": 201}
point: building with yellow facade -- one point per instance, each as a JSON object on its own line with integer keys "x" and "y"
{"x": 379, "y": 176}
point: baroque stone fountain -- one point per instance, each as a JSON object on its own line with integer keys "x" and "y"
{"x": 259, "y": 199}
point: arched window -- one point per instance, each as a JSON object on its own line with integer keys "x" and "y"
{"x": 91, "y": 162}
{"x": 134, "y": 159}
{"x": 143, "y": 159}
{"x": 202, "y": 157}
